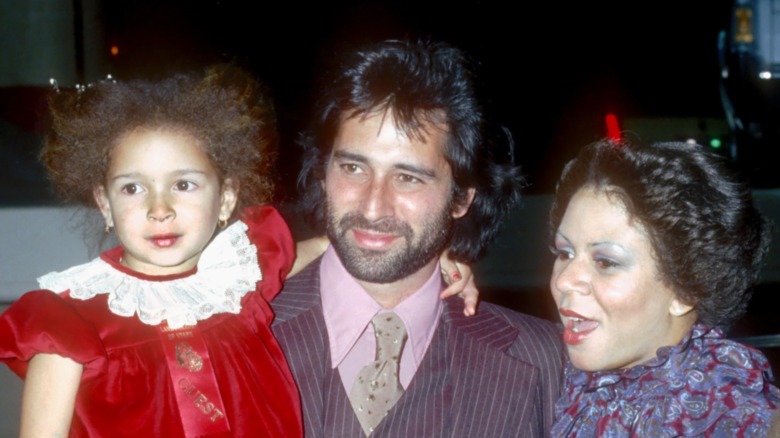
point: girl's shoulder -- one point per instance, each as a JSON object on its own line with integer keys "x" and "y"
{"x": 47, "y": 305}
{"x": 269, "y": 232}
{"x": 42, "y": 321}
{"x": 267, "y": 227}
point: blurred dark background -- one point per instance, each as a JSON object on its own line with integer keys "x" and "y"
{"x": 548, "y": 71}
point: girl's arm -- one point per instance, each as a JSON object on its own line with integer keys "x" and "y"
{"x": 306, "y": 251}
{"x": 458, "y": 276}
{"x": 49, "y": 396}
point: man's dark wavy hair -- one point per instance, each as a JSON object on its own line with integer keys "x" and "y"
{"x": 418, "y": 81}
{"x": 708, "y": 237}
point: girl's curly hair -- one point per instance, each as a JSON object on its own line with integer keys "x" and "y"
{"x": 223, "y": 107}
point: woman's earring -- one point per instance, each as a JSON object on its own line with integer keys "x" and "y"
{"x": 109, "y": 228}
{"x": 222, "y": 223}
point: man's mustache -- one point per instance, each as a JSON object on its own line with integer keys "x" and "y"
{"x": 384, "y": 225}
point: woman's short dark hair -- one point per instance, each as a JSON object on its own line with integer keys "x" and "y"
{"x": 709, "y": 239}
{"x": 223, "y": 107}
{"x": 417, "y": 82}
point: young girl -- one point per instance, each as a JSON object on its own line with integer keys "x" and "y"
{"x": 167, "y": 334}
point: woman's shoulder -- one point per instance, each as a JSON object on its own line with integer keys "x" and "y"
{"x": 705, "y": 385}
{"x": 720, "y": 386}
{"x": 712, "y": 361}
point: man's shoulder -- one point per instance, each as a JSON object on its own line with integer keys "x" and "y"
{"x": 537, "y": 340}
{"x": 522, "y": 321}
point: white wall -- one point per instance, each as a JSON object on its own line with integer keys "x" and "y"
{"x": 38, "y": 240}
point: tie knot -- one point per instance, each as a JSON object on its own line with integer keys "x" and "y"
{"x": 390, "y": 333}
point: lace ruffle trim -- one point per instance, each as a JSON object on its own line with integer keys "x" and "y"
{"x": 227, "y": 270}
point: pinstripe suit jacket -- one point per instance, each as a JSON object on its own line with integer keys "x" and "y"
{"x": 496, "y": 374}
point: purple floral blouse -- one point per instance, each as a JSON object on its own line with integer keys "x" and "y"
{"x": 704, "y": 386}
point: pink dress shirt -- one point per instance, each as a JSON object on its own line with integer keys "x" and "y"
{"x": 348, "y": 310}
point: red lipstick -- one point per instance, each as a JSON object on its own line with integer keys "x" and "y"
{"x": 576, "y": 326}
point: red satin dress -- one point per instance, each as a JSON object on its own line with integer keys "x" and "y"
{"x": 126, "y": 387}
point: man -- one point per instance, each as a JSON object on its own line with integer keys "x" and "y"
{"x": 398, "y": 170}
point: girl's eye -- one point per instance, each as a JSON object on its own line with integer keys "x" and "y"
{"x": 184, "y": 186}
{"x": 131, "y": 189}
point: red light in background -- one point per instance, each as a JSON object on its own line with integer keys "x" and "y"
{"x": 114, "y": 50}
{"x": 613, "y": 130}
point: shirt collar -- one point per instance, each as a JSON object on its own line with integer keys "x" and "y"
{"x": 348, "y": 309}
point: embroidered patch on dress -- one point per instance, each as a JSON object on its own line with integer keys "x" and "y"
{"x": 187, "y": 358}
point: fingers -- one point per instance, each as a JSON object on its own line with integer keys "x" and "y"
{"x": 450, "y": 271}
{"x": 470, "y": 298}
{"x": 470, "y": 295}
{"x": 461, "y": 283}
{"x": 453, "y": 289}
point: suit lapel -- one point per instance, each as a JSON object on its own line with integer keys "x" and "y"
{"x": 468, "y": 383}
{"x": 496, "y": 391}
{"x": 300, "y": 328}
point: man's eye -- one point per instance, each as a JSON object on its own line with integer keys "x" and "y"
{"x": 350, "y": 168}
{"x": 409, "y": 179}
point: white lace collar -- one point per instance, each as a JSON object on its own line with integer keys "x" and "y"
{"x": 227, "y": 270}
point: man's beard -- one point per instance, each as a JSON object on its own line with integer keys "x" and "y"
{"x": 388, "y": 266}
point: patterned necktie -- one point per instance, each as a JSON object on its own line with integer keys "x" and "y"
{"x": 377, "y": 388}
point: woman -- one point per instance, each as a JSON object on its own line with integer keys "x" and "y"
{"x": 657, "y": 249}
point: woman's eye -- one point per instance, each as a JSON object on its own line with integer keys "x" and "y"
{"x": 184, "y": 186}
{"x": 606, "y": 263}
{"x": 561, "y": 254}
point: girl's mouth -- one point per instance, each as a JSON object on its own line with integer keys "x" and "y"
{"x": 164, "y": 240}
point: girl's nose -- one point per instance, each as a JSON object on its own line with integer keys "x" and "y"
{"x": 160, "y": 209}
